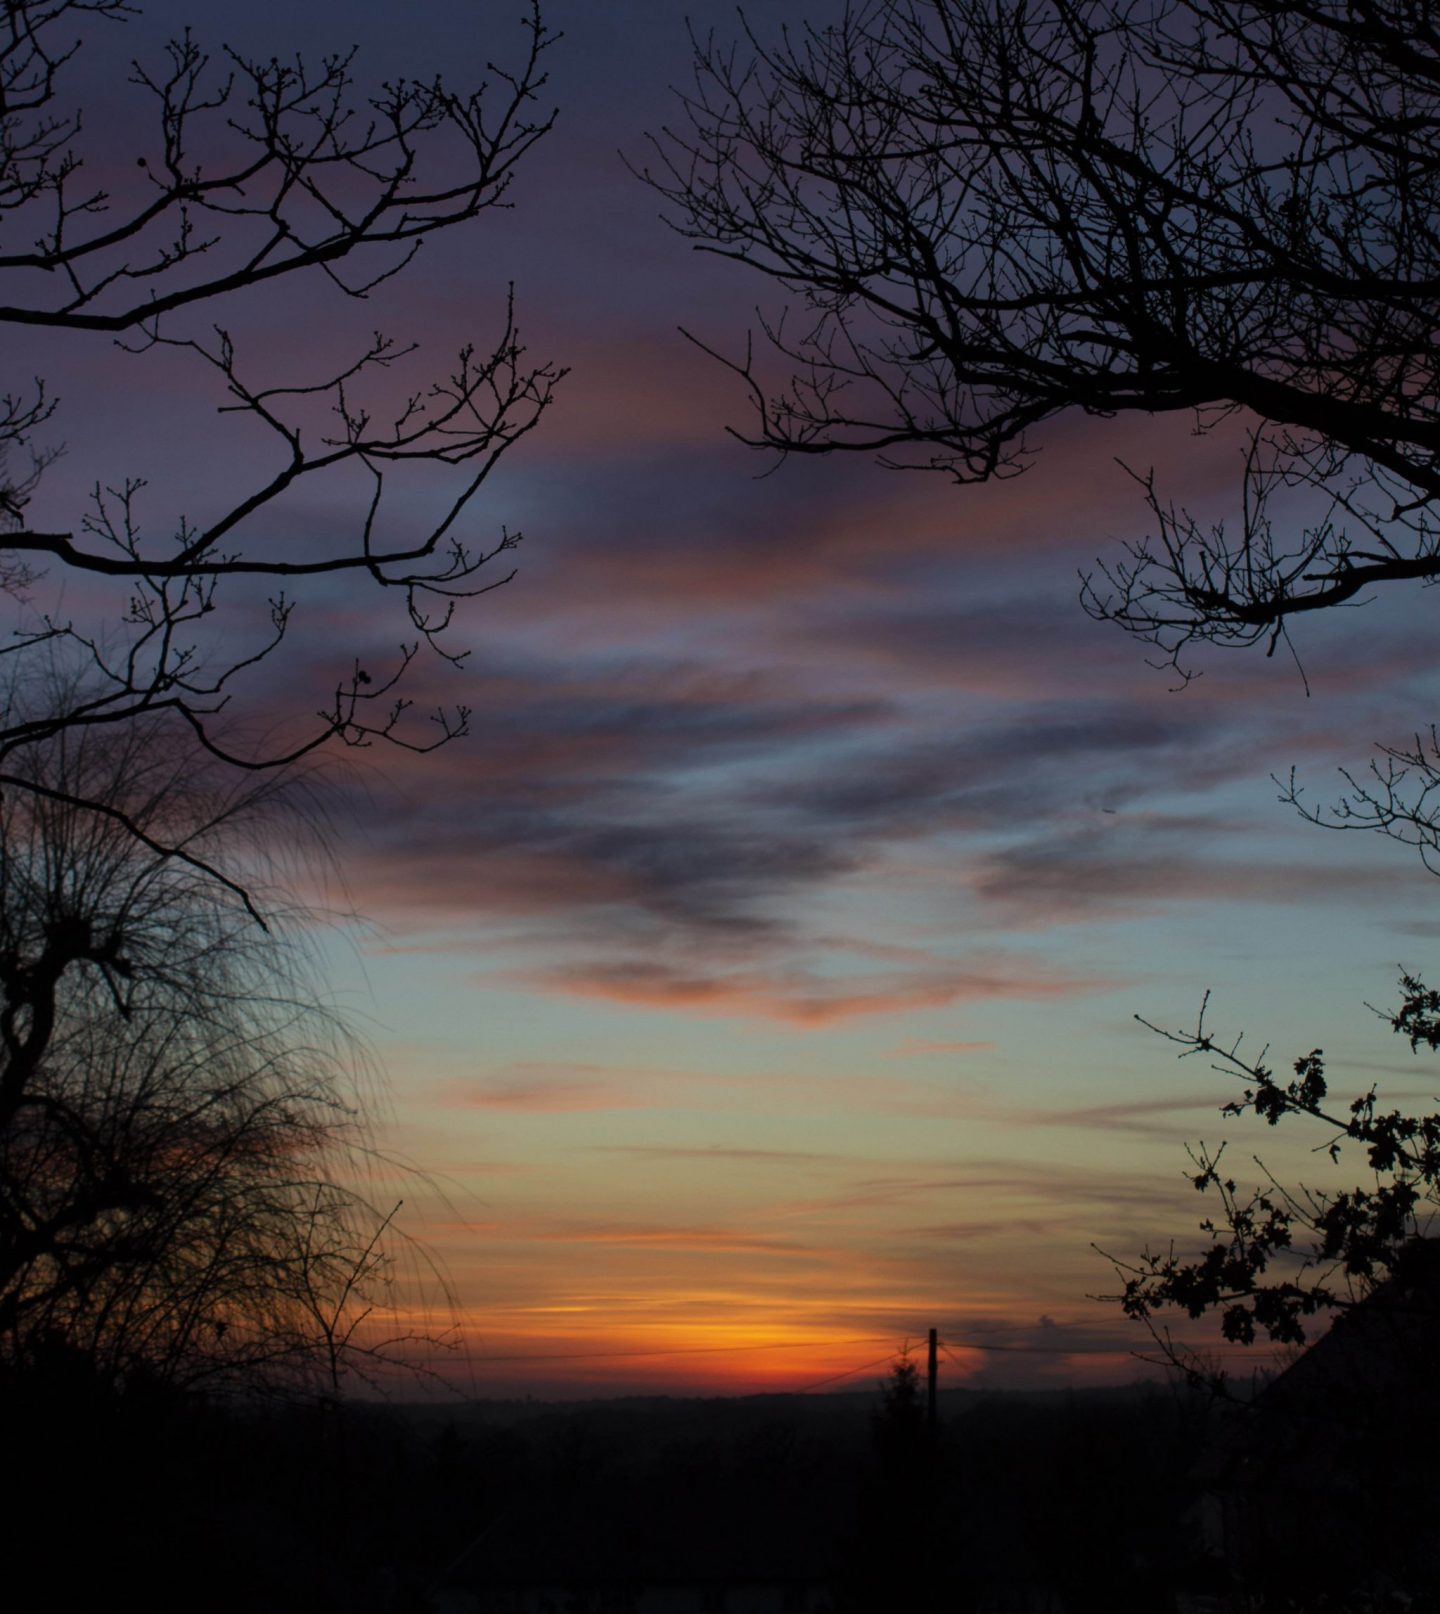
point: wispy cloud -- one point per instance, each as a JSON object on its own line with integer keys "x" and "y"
{"x": 796, "y": 997}
{"x": 921, "y": 1045}
{"x": 542, "y": 1094}
{"x": 1069, "y": 874}
{"x": 784, "y": 1158}
{"x": 693, "y": 1240}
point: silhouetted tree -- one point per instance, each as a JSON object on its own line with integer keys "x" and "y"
{"x": 254, "y": 173}
{"x": 898, "y": 1428}
{"x": 902, "y": 1551}
{"x": 1279, "y": 1256}
{"x": 177, "y": 1198}
{"x": 993, "y": 214}
{"x": 988, "y": 215}
{"x": 1322, "y": 1484}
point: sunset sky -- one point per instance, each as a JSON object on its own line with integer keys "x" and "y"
{"x": 755, "y": 985}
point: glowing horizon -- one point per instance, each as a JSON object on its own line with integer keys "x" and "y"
{"x": 758, "y": 980}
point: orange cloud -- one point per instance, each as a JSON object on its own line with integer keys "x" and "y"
{"x": 795, "y": 997}
{"x": 540, "y": 1093}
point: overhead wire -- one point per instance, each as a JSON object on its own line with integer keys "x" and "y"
{"x": 849, "y": 1373}
{"x": 1030, "y": 1350}
{"x": 1060, "y": 1350}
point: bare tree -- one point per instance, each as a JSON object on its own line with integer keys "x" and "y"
{"x": 179, "y": 1131}
{"x": 253, "y": 173}
{"x": 991, "y": 214}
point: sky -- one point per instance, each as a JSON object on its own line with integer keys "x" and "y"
{"x": 756, "y": 984}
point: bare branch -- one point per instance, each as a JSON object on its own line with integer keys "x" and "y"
{"x": 988, "y": 215}
{"x": 255, "y": 170}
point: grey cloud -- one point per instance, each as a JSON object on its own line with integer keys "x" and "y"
{"x": 1087, "y": 872}
{"x": 1009, "y": 774}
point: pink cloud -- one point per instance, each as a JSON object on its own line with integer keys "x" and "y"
{"x": 542, "y": 1095}
{"x": 920, "y": 1045}
{"x": 794, "y": 997}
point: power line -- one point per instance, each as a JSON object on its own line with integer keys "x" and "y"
{"x": 1031, "y": 1350}
{"x": 1061, "y": 1350}
{"x": 849, "y": 1374}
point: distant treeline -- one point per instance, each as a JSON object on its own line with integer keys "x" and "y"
{"x": 247, "y": 1509}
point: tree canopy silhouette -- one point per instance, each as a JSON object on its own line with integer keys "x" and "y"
{"x": 248, "y": 174}
{"x": 989, "y": 214}
{"x": 1281, "y": 1255}
{"x": 179, "y": 1125}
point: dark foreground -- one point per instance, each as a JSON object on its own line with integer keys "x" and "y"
{"x": 1061, "y": 1503}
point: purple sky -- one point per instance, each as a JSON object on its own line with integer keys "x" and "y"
{"x": 760, "y": 971}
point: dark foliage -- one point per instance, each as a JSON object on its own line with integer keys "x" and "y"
{"x": 1019, "y": 1496}
{"x": 1278, "y": 1256}
{"x": 901, "y": 1549}
{"x": 179, "y": 1199}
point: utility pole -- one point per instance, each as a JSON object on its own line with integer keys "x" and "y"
{"x": 932, "y": 1379}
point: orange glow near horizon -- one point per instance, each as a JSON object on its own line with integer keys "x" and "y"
{"x": 565, "y": 1351}
{"x": 696, "y": 1240}
{"x": 753, "y": 984}
{"x": 665, "y": 1363}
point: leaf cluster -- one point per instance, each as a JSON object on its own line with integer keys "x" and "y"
{"x": 1280, "y": 1256}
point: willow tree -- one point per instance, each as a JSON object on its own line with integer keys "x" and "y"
{"x": 179, "y": 1119}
